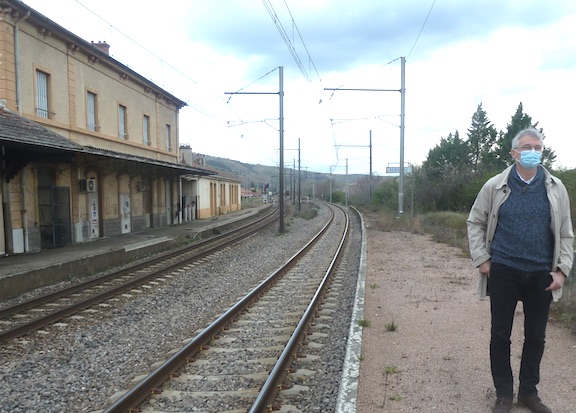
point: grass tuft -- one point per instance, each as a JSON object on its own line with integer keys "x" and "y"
{"x": 392, "y": 326}
{"x": 391, "y": 370}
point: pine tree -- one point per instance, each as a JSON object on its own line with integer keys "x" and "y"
{"x": 481, "y": 142}
{"x": 519, "y": 121}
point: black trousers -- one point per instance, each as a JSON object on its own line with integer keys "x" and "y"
{"x": 507, "y": 287}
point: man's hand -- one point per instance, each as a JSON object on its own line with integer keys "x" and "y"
{"x": 558, "y": 279}
{"x": 485, "y": 268}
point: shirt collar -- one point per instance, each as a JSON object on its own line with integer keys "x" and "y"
{"x": 527, "y": 181}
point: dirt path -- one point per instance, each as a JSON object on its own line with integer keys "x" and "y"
{"x": 437, "y": 359}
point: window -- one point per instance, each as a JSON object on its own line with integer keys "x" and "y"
{"x": 91, "y": 111}
{"x": 42, "y": 109}
{"x": 168, "y": 133}
{"x": 146, "y": 130}
{"x": 122, "y": 122}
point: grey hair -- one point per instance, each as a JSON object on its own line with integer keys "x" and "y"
{"x": 530, "y": 132}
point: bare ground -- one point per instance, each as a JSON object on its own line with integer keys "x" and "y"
{"x": 437, "y": 358}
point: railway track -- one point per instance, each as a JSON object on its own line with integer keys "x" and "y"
{"x": 239, "y": 362}
{"x": 34, "y": 314}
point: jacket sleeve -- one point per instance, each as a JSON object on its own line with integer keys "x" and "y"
{"x": 477, "y": 223}
{"x": 566, "y": 257}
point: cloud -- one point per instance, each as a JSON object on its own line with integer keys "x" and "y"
{"x": 498, "y": 53}
{"x": 340, "y": 35}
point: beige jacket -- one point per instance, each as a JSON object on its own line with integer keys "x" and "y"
{"x": 483, "y": 219}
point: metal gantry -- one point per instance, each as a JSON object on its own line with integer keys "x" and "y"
{"x": 402, "y": 91}
{"x": 280, "y": 93}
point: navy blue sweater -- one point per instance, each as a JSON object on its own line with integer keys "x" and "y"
{"x": 523, "y": 238}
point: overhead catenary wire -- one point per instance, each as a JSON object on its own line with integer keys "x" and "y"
{"x": 210, "y": 109}
{"x": 199, "y": 107}
{"x": 302, "y": 40}
{"x": 421, "y": 29}
{"x": 289, "y": 44}
{"x": 241, "y": 121}
{"x": 194, "y": 106}
{"x": 341, "y": 87}
{"x": 250, "y": 84}
{"x": 336, "y": 121}
{"x": 136, "y": 42}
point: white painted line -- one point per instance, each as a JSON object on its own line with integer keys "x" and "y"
{"x": 146, "y": 243}
{"x": 348, "y": 393}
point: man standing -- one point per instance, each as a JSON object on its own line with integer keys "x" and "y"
{"x": 521, "y": 240}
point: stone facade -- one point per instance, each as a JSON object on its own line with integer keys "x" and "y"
{"x": 101, "y": 157}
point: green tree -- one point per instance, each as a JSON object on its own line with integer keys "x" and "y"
{"x": 481, "y": 141}
{"x": 387, "y": 194}
{"x": 568, "y": 177}
{"x": 440, "y": 182}
{"x": 338, "y": 197}
{"x": 455, "y": 169}
{"x": 451, "y": 157}
{"x": 519, "y": 121}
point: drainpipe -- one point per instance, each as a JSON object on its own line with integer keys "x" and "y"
{"x": 179, "y": 200}
{"x": 17, "y": 61}
{"x": 23, "y": 211}
{"x": 4, "y": 215}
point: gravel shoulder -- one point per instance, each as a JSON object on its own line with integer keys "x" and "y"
{"x": 437, "y": 359}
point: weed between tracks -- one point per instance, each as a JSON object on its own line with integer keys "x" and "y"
{"x": 307, "y": 211}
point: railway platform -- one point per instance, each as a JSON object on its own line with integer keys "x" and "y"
{"x": 23, "y": 272}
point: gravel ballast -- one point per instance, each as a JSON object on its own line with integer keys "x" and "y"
{"x": 77, "y": 365}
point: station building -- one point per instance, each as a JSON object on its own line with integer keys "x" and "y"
{"x": 88, "y": 147}
{"x": 212, "y": 195}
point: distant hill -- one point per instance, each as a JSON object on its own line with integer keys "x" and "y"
{"x": 313, "y": 184}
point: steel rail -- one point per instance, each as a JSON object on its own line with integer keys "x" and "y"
{"x": 77, "y": 307}
{"x": 35, "y": 302}
{"x": 269, "y": 391}
{"x": 148, "y": 385}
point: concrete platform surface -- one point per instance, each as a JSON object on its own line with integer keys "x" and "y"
{"x": 23, "y": 272}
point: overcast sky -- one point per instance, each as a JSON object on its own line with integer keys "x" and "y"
{"x": 490, "y": 52}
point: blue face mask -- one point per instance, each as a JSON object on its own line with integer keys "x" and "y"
{"x": 530, "y": 159}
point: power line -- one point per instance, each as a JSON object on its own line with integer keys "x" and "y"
{"x": 390, "y": 62}
{"x": 286, "y": 38}
{"x": 242, "y": 122}
{"x": 135, "y": 42}
{"x": 422, "y": 28}
{"x": 191, "y": 105}
{"x": 302, "y": 40}
{"x": 336, "y": 121}
{"x": 194, "y": 106}
{"x": 251, "y": 83}
{"x": 198, "y": 108}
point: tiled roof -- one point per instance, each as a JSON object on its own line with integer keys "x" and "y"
{"x": 16, "y": 130}
{"x": 134, "y": 158}
{"x": 214, "y": 171}
{"x": 21, "y": 131}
